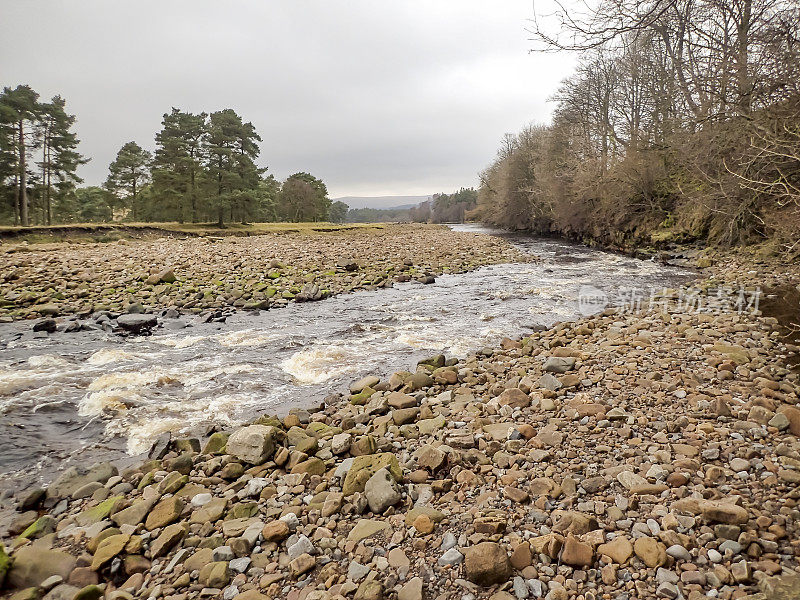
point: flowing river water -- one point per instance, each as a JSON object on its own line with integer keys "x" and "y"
{"x": 90, "y": 395}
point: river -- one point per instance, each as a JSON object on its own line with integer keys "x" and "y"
{"x": 90, "y": 396}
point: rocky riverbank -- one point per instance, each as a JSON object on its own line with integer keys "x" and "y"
{"x": 208, "y": 274}
{"x": 650, "y": 454}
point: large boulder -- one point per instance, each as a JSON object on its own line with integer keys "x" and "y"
{"x": 487, "y": 564}
{"x": 253, "y": 444}
{"x": 364, "y": 467}
{"x": 515, "y": 398}
{"x": 137, "y": 323}
{"x": 72, "y": 479}
{"x": 382, "y": 491}
{"x": 559, "y": 364}
{"x": 32, "y": 565}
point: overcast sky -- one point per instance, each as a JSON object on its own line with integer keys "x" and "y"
{"x": 375, "y": 97}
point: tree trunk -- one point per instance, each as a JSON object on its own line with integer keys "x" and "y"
{"x": 23, "y": 182}
{"x": 194, "y": 199}
{"x": 47, "y": 157}
{"x": 16, "y": 200}
{"x": 133, "y": 199}
{"x": 742, "y": 59}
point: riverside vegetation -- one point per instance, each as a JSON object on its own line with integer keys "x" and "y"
{"x": 649, "y": 454}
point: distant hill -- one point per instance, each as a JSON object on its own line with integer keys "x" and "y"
{"x": 382, "y": 202}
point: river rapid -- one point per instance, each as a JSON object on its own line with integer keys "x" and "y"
{"x": 90, "y": 395}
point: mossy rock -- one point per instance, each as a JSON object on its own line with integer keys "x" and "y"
{"x": 270, "y": 421}
{"x": 41, "y": 526}
{"x": 97, "y": 513}
{"x": 321, "y": 431}
{"x": 362, "y": 397}
{"x": 5, "y": 565}
{"x": 365, "y": 467}
{"x": 216, "y": 443}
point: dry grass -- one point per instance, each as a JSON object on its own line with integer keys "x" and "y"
{"x": 108, "y": 232}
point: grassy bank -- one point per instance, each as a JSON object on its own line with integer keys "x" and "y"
{"x": 109, "y": 232}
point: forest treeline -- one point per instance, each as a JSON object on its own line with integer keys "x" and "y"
{"x": 441, "y": 208}
{"x": 204, "y": 169}
{"x": 681, "y": 122}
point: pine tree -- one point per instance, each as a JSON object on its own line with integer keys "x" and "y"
{"x": 177, "y": 163}
{"x": 20, "y": 108}
{"x": 60, "y": 158}
{"x": 129, "y": 172}
{"x": 231, "y": 150}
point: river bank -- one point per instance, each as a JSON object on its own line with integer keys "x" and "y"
{"x": 263, "y": 271}
{"x": 647, "y": 451}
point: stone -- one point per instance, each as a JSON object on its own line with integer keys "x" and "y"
{"x": 424, "y": 525}
{"x": 216, "y": 443}
{"x": 164, "y": 513}
{"x": 411, "y": 590}
{"x": 382, "y": 491}
{"x": 397, "y": 558}
{"x": 364, "y": 467}
{"x": 521, "y": 556}
{"x": 369, "y": 381}
{"x": 792, "y": 414}
{"x": 135, "y": 513}
{"x": 302, "y": 546}
{"x": 340, "y": 443}
{"x": 108, "y": 549}
{"x": 32, "y": 565}
{"x": 400, "y": 400}
{"x": 629, "y": 479}
{"x": 215, "y": 575}
{"x": 678, "y": 552}
{"x": 89, "y": 592}
{"x": 137, "y": 323}
{"x": 576, "y": 553}
{"x": 301, "y": 441}
{"x": 312, "y": 466}
{"x": 366, "y": 528}
{"x": 451, "y": 557}
{"x": 210, "y": 512}
{"x": 356, "y": 571}
{"x": 253, "y": 444}
{"x": 63, "y": 591}
{"x": 301, "y": 564}
{"x": 433, "y": 514}
{"x": 171, "y": 535}
{"x": 574, "y": 522}
{"x": 97, "y": 513}
{"x": 784, "y": 587}
{"x": 275, "y": 531}
{"x": 369, "y": 590}
{"x": 741, "y": 571}
{"x": 559, "y": 364}
{"x": 715, "y": 511}
{"x": 650, "y": 551}
{"x": 619, "y": 549}
{"x": 487, "y": 564}
{"x": 515, "y": 398}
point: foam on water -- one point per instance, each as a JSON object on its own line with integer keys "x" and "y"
{"x": 106, "y": 356}
{"x": 247, "y": 338}
{"x": 178, "y": 342}
{"x": 324, "y": 361}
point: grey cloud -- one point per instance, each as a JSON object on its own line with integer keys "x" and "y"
{"x": 406, "y": 97}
